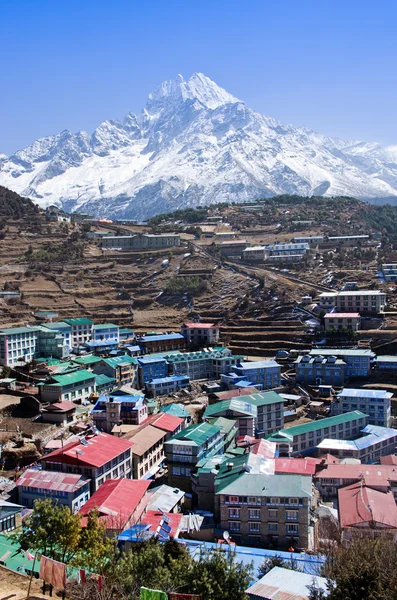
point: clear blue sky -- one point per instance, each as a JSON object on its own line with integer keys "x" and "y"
{"x": 327, "y": 64}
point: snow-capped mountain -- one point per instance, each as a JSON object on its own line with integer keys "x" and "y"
{"x": 193, "y": 144}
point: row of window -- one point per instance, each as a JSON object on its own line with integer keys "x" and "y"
{"x": 255, "y": 513}
{"x": 258, "y": 500}
{"x": 254, "y": 526}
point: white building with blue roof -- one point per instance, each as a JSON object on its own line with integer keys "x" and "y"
{"x": 374, "y": 403}
{"x": 374, "y": 442}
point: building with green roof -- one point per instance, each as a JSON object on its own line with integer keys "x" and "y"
{"x": 23, "y": 344}
{"x": 106, "y": 332}
{"x": 244, "y": 414}
{"x": 87, "y": 360}
{"x": 123, "y": 369}
{"x": 303, "y": 439}
{"x": 73, "y": 387}
{"x": 81, "y": 330}
{"x": 191, "y": 445}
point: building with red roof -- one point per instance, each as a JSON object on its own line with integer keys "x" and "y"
{"x": 200, "y": 334}
{"x": 362, "y": 506}
{"x": 228, "y": 394}
{"x": 120, "y": 503}
{"x": 61, "y": 413}
{"x": 64, "y": 488}
{"x": 390, "y": 459}
{"x": 296, "y": 466}
{"x": 166, "y": 422}
{"x": 331, "y": 477}
{"x": 98, "y": 456}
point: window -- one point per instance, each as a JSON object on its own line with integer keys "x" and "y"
{"x": 234, "y": 525}
{"x": 234, "y": 513}
{"x": 233, "y": 499}
{"x": 274, "y": 500}
{"x": 272, "y": 527}
{"x": 254, "y": 526}
{"x": 253, "y": 500}
{"x": 294, "y": 501}
{"x": 273, "y": 513}
{"x": 254, "y": 513}
{"x": 292, "y": 515}
{"x": 292, "y": 529}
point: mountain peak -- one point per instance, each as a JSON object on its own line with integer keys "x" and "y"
{"x": 197, "y": 87}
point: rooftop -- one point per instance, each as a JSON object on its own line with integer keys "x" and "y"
{"x": 257, "y": 364}
{"x": 261, "y": 398}
{"x": 116, "y": 361}
{"x": 164, "y": 498}
{"x": 258, "y": 484}
{"x": 176, "y": 410}
{"x": 342, "y": 315}
{"x": 233, "y": 404}
{"x": 57, "y": 325}
{"x": 89, "y": 359}
{"x": 51, "y": 481}
{"x": 95, "y": 451}
{"x": 342, "y": 352}
{"x": 197, "y": 434}
{"x": 16, "y": 330}
{"x": 165, "y": 422}
{"x": 80, "y": 321}
{"x": 199, "y": 325}
{"x": 105, "y": 326}
{"x": 364, "y": 393}
{"x": 290, "y": 432}
{"x": 285, "y": 584}
{"x": 163, "y": 337}
{"x": 145, "y": 439}
{"x": 362, "y": 293}
{"x": 71, "y": 378}
{"x": 359, "y": 503}
{"x": 116, "y": 500}
{"x": 373, "y": 434}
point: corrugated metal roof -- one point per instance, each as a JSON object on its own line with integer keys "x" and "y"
{"x": 80, "y": 321}
{"x": 234, "y": 404}
{"x": 364, "y": 393}
{"x": 197, "y": 433}
{"x": 116, "y": 361}
{"x": 286, "y": 584}
{"x": 51, "y": 481}
{"x": 72, "y": 378}
{"x": 97, "y": 451}
{"x": 160, "y": 338}
{"x": 322, "y": 423}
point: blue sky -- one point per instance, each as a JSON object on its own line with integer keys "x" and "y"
{"x": 327, "y": 64}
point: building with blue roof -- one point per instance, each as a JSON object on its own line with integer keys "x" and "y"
{"x": 151, "y": 367}
{"x": 101, "y": 346}
{"x": 166, "y": 385}
{"x": 162, "y": 342}
{"x": 263, "y": 374}
{"x": 375, "y": 403}
{"x": 374, "y": 442}
{"x": 119, "y": 407}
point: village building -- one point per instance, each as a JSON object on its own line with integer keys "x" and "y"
{"x": 81, "y": 330}
{"x": 97, "y": 457}
{"x": 342, "y": 321}
{"x": 77, "y": 386}
{"x": 306, "y": 438}
{"x": 161, "y": 343}
{"x": 66, "y": 489}
{"x": 119, "y": 408}
{"x": 123, "y": 369}
{"x": 200, "y": 334}
{"x": 119, "y": 503}
{"x": 375, "y": 403}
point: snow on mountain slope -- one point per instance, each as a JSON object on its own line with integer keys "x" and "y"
{"x": 193, "y": 144}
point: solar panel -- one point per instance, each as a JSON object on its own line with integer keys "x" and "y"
{"x": 84, "y": 442}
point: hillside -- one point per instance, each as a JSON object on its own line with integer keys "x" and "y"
{"x": 193, "y": 144}
{"x": 57, "y": 267}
